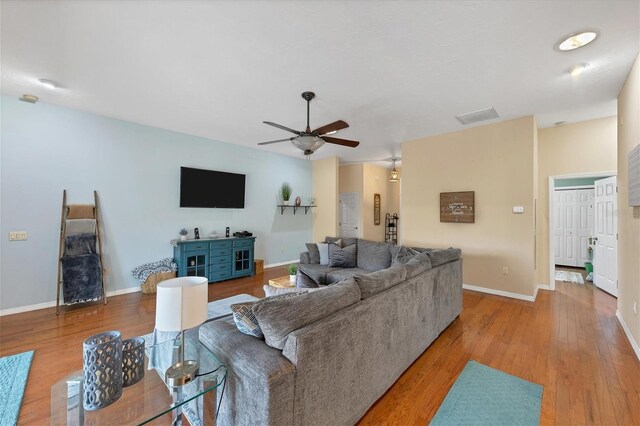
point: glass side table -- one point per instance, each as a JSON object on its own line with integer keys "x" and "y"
{"x": 150, "y": 401}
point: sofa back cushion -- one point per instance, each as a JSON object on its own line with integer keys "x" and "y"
{"x": 278, "y": 318}
{"x": 376, "y": 282}
{"x": 438, "y": 257}
{"x": 417, "y": 264}
{"x": 373, "y": 255}
{"x": 343, "y": 241}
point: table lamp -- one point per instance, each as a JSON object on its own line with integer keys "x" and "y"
{"x": 181, "y": 303}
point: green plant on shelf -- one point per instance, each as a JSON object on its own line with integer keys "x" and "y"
{"x": 285, "y": 190}
{"x": 293, "y": 269}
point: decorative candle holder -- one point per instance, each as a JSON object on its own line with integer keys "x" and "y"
{"x": 102, "y": 370}
{"x": 132, "y": 361}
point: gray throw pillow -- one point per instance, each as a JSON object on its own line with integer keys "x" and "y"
{"x": 323, "y": 249}
{"x": 304, "y": 281}
{"x": 418, "y": 264}
{"x": 373, "y": 255}
{"x": 332, "y": 247}
{"x": 344, "y": 257}
{"x": 314, "y": 254}
{"x": 278, "y": 318}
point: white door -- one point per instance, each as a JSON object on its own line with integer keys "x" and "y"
{"x": 605, "y": 258}
{"x": 568, "y": 255}
{"x": 584, "y": 224}
{"x": 349, "y": 214}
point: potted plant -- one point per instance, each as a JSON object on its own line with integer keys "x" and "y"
{"x": 285, "y": 190}
{"x": 183, "y": 234}
{"x": 293, "y": 271}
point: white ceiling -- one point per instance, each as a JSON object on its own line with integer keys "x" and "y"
{"x": 395, "y": 71}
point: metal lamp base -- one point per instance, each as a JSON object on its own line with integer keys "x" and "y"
{"x": 181, "y": 373}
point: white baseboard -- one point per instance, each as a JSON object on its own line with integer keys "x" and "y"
{"x": 45, "y": 305}
{"x": 499, "y": 292}
{"x": 634, "y": 344}
{"x": 288, "y": 262}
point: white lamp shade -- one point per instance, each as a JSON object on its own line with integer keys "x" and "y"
{"x": 181, "y": 303}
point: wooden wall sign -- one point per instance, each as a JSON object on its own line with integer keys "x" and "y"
{"x": 457, "y": 207}
{"x": 376, "y": 209}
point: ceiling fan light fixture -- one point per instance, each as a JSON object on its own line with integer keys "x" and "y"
{"x": 308, "y": 143}
{"x": 395, "y": 176}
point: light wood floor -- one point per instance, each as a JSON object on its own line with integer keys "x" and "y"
{"x": 569, "y": 341}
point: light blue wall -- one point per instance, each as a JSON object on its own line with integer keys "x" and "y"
{"x": 136, "y": 171}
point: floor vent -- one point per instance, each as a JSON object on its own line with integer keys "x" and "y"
{"x": 477, "y": 116}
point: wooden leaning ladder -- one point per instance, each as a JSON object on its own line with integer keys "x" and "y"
{"x": 94, "y": 214}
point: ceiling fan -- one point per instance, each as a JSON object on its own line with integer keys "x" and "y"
{"x": 309, "y": 141}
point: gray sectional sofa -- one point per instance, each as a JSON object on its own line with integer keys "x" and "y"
{"x": 328, "y": 355}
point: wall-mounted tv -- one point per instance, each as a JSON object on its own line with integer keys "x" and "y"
{"x": 211, "y": 189}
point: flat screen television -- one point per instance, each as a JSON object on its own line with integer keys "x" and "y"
{"x": 211, "y": 189}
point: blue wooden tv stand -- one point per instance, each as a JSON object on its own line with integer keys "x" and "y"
{"x": 216, "y": 259}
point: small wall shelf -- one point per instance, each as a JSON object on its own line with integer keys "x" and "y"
{"x": 295, "y": 208}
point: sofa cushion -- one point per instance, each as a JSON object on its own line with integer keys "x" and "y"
{"x": 373, "y": 255}
{"x": 317, "y": 273}
{"x": 344, "y": 257}
{"x": 438, "y": 257}
{"x": 340, "y": 274}
{"x": 314, "y": 254}
{"x": 402, "y": 254}
{"x": 304, "y": 281}
{"x": 376, "y": 282}
{"x": 245, "y": 319}
{"x": 279, "y": 317}
{"x": 417, "y": 264}
{"x": 270, "y": 290}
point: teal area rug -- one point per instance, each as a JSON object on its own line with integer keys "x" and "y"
{"x": 14, "y": 371}
{"x": 482, "y": 395}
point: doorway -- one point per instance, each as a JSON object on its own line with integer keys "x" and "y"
{"x": 573, "y": 226}
{"x": 349, "y": 225}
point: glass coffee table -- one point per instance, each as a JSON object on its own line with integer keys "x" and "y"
{"x": 150, "y": 401}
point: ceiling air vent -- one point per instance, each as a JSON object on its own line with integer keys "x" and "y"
{"x": 477, "y": 116}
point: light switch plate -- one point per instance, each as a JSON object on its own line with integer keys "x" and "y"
{"x": 518, "y": 209}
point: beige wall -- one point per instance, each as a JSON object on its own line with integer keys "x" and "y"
{"x": 584, "y": 147}
{"x": 497, "y": 162}
{"x": 351, "y": 178}
{"x": 376, "y": 181}
{"x": 367, "y": 179}
{"x": 325, "y": 191}
{"x": 628, "y": 217}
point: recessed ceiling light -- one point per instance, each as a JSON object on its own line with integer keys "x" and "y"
{"x": 576, "y": 69}
{"x": 576, "y": 40}
{"x": 49, "y": 83}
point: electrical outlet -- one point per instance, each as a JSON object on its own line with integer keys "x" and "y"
{"x": 505, "y": 270}
{"x": 17, "y": 236}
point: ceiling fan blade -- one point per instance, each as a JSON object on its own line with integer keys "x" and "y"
{"x": 282, "y": 127}
{"x": 338, "y": 141}
{"x": 331, "y": 127}
{"x": 279, "y": 140}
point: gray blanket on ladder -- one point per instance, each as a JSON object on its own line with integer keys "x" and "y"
{"x": 81, "y": 278}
